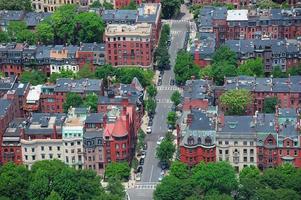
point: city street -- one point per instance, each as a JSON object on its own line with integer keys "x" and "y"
{"x": 151, "y": 169}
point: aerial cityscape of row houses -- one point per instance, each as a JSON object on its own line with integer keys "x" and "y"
{"x": 134, "y": 112}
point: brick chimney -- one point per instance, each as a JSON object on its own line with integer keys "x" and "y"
{"x": 104, "y": 119}
{"x": 54, "y": 132}
{"x": 125, "y": 101}
{"x": 189, "y": 119}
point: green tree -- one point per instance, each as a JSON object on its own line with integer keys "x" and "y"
{"x": 45, "y": 32}
{"x": 270, "y": 104}
{"x": 218, "y": 176}
{"x": 96, "y": 4}
{"x": 222, "y": 70}
{"x": 165, "y": 151}
{"x": 151, "y": 91}
{"x": 141, "y": 139}
{"x": 266, "y": 4}
{"x": 185, "y": 68}
{"x": 252, "y": 67}
{"x": 85, "y": 72}
{"x": 249, "y": 180}
{"x": 277, "y": 73}
{"x": 89, "y": 27}
{"x": 16, "y": 5}
{"x": 170, "y": 8}
{"x": 176, "y": 98}
{"x": 127, "y": 74}
{"x": 236, "y": 101}
{"x": 293, "y": 71}
{"x": 107, "y": 5}
{"x": 115, "y": 188}
{"x": 62, "y": 74}
{"x": 179, "y": 170}
{"x": 91, "y": 101}
{"x": 172, "y": 118}
{"x": 33, "y": 77}
{"x": 14, "y": 181}
{"x": 4, "y": 37}
{"x": 54, "y": 196}
{"x": 150, "y": 105}
{"x": 73, "y": 100}
{"x": 105, "y": 71}
{"x": 217, "y": 196}
{"x": 18, "y": 32}
{"x": 224, "y": 54}
{"x": 120, "y": 171}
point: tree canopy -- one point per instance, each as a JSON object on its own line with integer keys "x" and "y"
{"x": 185, "y": 68}
{"x": 72, "y": 99}
{"x": 252, "y": 67}
{"x": 161, "y": 53}
{"x": 170, "y": 8}
{"x": 176, "y": 98}
{"x": 91, "y": 101}
{"x": 150, "y": 105}
{"x": 172, "y": 118}
{"x": 53, "y": 180}
{"x": 270, "y": 104}
{"x": 151, "y": 91}
{"x": 34, "y": 77}
{"x": 15, "y": 5}
{"x": 165, "y": 150}
{"x": 236, "y": 101}
{"x": 18, "y": 32}
{"x": 117, "y": 170}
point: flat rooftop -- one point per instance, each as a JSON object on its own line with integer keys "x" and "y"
{"x": 237, "y": 15}
{"x": 128, "y": 30}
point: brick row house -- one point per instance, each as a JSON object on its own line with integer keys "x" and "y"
{"x": 252, "y": 33}
{"x": 16, "y": 58}
{"x": 236, "y": 3}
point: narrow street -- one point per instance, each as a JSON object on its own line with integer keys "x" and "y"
{"x": 151, "y": 168}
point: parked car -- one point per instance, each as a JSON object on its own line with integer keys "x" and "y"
{"x": 145, "y": 146}
{"x": 164, "y": 165}
{"x": 159, "y": 82}
{"x": 149, "y": 130}
{"x": 170, "y": 128}
{"x": 138, "y": 177}
{"x": 150, "y": 122}
{"x": 161, "y": 175}
{"x": 160, "y": 140}
{"x": 172, "y": 82}
{"x": 143, "y": 154}
{"x": 141, "y": 162}
{"x": 139, "y": 169}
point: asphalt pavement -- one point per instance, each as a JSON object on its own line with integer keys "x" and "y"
{"x": 151, "y": 170}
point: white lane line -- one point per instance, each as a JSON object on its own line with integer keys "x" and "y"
{"x": 150, "y": 178}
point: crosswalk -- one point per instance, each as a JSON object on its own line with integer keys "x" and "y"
{"x": 176, "y": 32}
{"x": 170, "y": 88}
{"x": 148, "y": 186}
{"x": 164, "y": 101}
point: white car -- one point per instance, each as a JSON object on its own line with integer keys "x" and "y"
{"x": 143, "y": 154}
{"x": 138, "y": 177}
{"x": 161, "y": 176}
{"x": 149, "y": 130}
{"x": 160, "y": 140}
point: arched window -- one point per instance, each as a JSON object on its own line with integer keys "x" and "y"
{"x": 190, "y": 140}
{"x": 199, "y": 140}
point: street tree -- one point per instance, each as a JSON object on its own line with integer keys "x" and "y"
{"x": 176, "y": 98}
{"x": 185, "y": 68}
{"x": 179, "y": 170}
{"x": 141, "y": 139}
{"x": 165, "y": 151}
{"x": 34, "y": 77}
{"x": 252, "y": 67}
{"x": 171, "y": 118}
{"x": 217, "y": 196}
{"x": 85, "y": 72}
{"x": 118, "y": 170}
{"x": 151, "y": 91}
{"x": 150, "y": 105}
{"x": 115, "y": 188}
{"x": 127, "y": 74}
{"x": 222, "y": 70}
{"x": 218, "y": 176}
{"x": 96, "y": 4}
{"x": 91, "y": 101}
{"x": 170, "y": 8}
{"x": 54, "y": 196}
{"x": 270, "y": 104}
{"x": 73, "y": 100}
{"x": 107, "y": 5}
{"x": 236, "y": 101}
{"x": 249, "y": 180}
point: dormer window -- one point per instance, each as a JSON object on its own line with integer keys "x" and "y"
{"x": 270, "y": 142}
{"x": 190, "y": 140}
{"x": 208, "y": 140}
{"x": 199, "y": 140}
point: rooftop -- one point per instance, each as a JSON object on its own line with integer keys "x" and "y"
{"x": 7, "y": 83}
{"x": 78, "y": 86}
{"x": 149, "y": 12}
{"x": 143, "y": 29}
{"x": 237, "y": 15}
{"x": 118, "y": 15}
{"x": 4, "y": 106}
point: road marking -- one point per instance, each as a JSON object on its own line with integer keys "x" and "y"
{"x": 150, "y": 178}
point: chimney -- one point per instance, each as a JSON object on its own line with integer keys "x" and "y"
{"x": 124, "y": 108}
{"x": 54, "y": 132}
{"x": 221, "y": 119}
{"x": 192, "y": 77}
{"x": 276, "y": 119}
{"x": 22, "y": 133}
{"x": 104, "y": 119}
{"x": 128, "y": 122}
{"x": 189, "y": 118}
{"x": 125, "y": 101}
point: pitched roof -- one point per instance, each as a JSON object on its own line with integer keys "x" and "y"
{"x": 119, "y": 129}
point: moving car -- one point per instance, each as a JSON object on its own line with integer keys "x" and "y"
{"x": 149, "y": 130}
{"x": 160, "y": 140}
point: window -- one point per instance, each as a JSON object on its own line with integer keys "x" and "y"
{"x": 251, "y": 143}
{"x": 245, "y": 151}
{"x": 33, "y": 157}
{"x": 78, "y": 142}
{"x": 227, "y": 152}
{"x": 251, "y": 151}
{"x": 25, "y": 149}
{"x": 220, "y": 142}
{"x": 295, "y": 152}
{"x": 50, "y": 156}
{"x": 287, "y": 152}
{"x": 235, "y": 143}
{"x": 66, "y": 150}
{"x": 67, "y": 159}
{"x": 220, "y": 151}
{"x": 251, "y": 159}
{"x": 26, "y": 157}
{"x": 226, "y": 142}
{"x": 72, "y": 144}
{"x": 72, "y": 150}
{"x": 58, "y": 155}
{"x": 245, "y": 159}
{"x": 32, "y": 149}
{"x": 287, "y": 143}
{"x": 58, "y": 148}
{"x": 123, "y": 145}
{"x": 43, "y": 156}
{"x": 42, "y": 148}
{"x": 280, "y": 152}
{"x": 245, "y": 143}
{"x": 117, "y": 146}
{"x": 50, "y": 148}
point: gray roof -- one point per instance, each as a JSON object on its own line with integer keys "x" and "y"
{"x": 94, "y": 118}
{"x": 11, "y": 15}
{"x": 144, "y": 16}
{"x": 7, "y": 83}
{"x": 78, "y": 86}
{"x": 4, "y": 105}
{"x": 250, "y": 83}
{"x": 13, "y": 129}
{"x": 206, "y": 47}
{"x": 21, "y": 88}
{"x": 93, "y": 133}
{"x": 198, "y": 89}
{"x": 119, "y": 15}
{"x": 200, "y": 121}
{"x": 92, "y": 47}
{"x": 34, "y": 18}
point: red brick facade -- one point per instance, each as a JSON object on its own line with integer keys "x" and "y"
{"x": 122, "y": 3}
{"x": 193, "y": 156}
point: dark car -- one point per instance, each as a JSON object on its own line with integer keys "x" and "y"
{"x": 139, "y": 169}
{"x": 161, "y": 72}
{"x": 141, "y": 162}
{"x": 150, "y": 122}
{"x": 159, "y": 82}
{"x": 172, "y": 82}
